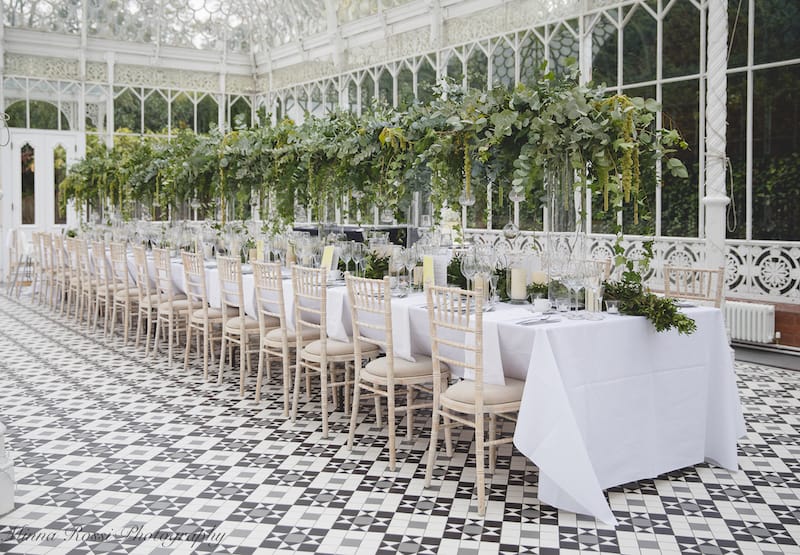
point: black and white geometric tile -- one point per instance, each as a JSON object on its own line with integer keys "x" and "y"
{"x": 118, "y": 453}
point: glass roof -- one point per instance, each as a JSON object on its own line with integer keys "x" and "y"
{"x": 243, "y": 25}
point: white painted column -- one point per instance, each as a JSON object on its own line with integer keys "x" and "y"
{"x": 716, "y": 199}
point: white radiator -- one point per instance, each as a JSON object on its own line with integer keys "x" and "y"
{"x": 750, "y": 321}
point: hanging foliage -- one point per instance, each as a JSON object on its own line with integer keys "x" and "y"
{"x": 515, "y": 139}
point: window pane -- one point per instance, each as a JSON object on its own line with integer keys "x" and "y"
{"x": 59, "y": 173}
{"x": 477, "y": 69}
{"x": 386, "y": 88}
{"x": 777, "y": 30}
{"x": 405, "y": 88}
{"x": 776, "y": 162}
{"x": 679, "y": 197}
{"x": 681, "y": 40}
{"x": 208, "y": 114}
{"x": 128, "y": 112}
{"x": 564, "y": 47}
{"x": 531, "y": 56}
{"x": 182, "y": 113}
{"x": 455, "y": 70}
{"x": 503, "y": 65}
{"x": 604, "y": 52}
{"x": 28, "y": 159}
{"x": 240, "y": 113}
{"x": 639, "y": 48}
{"x": 737, "y": 33}
{"x": 737, "y": 153}
{"x": 426, "y": 79}
{"x": 155, "y": 113}
{"x": 17, "y": 114}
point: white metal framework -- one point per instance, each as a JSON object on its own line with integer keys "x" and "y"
{"x": 206, "y": 62}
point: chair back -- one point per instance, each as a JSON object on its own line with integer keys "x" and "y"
{"x": 85, "y": 262}
{"x": 60, "y": 257}
{"x": 73, "y": 261}
{"x": 103, "y": 278}
{"x": 309, "y": 286}
{"x": 697, "y": 284}
{"x": 194, "y": 277}
{"x": 48, "y": 255}
{"x": 119, "y": 264}
{"x": 371, "y": 313}
{"x": 231, "y": 290}
{"x": 268, "y": 281}
{"x": 456, "y": 328}
{"x": 143, "y": 282}
{"x": 165, "y": 288}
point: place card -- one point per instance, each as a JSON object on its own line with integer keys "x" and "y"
{"x": 427, "y": 270}
{"x": 327, "y": 257}
{"x": 260, "y": 250}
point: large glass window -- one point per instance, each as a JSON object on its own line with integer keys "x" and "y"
{"x": 59, "y": 173}
{"x": 776, "y": 158}
{"x": 27, "y": 157}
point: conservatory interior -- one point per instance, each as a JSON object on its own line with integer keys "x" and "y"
{"x": 417, "y": 276}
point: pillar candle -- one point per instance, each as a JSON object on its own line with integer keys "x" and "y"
{"x": 519, "y": 284}
{"x": 538, "y": 277}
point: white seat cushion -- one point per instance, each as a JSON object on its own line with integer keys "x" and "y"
{"x": 464, "y": 392}
{"x": 180, "y": 305}
{"x": 337, "y": 348}
{"x": 129, "y": 293}
{"x": 275, "y": 337}
{"x": 234, "y": 325}
{"x": 213, "y": 314}
{"x": 379, "y": 367}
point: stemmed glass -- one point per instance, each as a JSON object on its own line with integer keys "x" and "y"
{"x": 469, "y": 266}
{"x": 346, "y": 252}
{"x": 278, "y": 248}
{"x": 359, "y": 254}
{"x": 411, "y": 259}
{"x": 574, "y": 280}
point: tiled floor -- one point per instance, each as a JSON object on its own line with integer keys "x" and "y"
{"x": 115, "y": 453}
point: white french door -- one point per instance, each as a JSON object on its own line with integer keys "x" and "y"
{"x": 33, "y": 163}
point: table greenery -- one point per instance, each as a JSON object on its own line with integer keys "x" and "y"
{"x": 635, "y": 301}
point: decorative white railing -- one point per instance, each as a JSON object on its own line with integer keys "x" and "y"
{"x": 755, "y": 270}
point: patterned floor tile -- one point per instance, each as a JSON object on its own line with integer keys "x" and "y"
{"x": 118, "y": 453}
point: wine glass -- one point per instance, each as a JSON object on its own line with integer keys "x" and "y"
{"x": 346, "y": 253}
{"x": 411, "y": 259}
{"x": 469, "y": 266}
{"x": 574, "y": 280}
{"x": 359, "y": 255}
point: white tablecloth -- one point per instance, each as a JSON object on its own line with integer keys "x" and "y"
{"x": 611, "y": 402}
{"x": 605, "y": 402}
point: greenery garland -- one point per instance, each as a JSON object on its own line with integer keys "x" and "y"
{"x": 506, "y": 136}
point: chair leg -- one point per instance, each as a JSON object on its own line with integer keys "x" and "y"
{"x": 390, "y": 409}
{"x": 492, "y": 431}
{"x": 409, "y": 412}
{"x": 188, "y": 347}
{"x": 354, "y": 411}
{"x": 221, "y": 358}
{"x": 479, "y": 456}
{"x": 433, "y": 446}
{"x": 243, "y": 362}
{"x": 287, "y": 376}
{"x": 260, "y": 373}
{"x": 206, "y": 340}
{"x": 297, "y": 378}
{"x": 323, "y": 376}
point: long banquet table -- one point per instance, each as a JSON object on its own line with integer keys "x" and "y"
{"x": 605, "y": 402}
